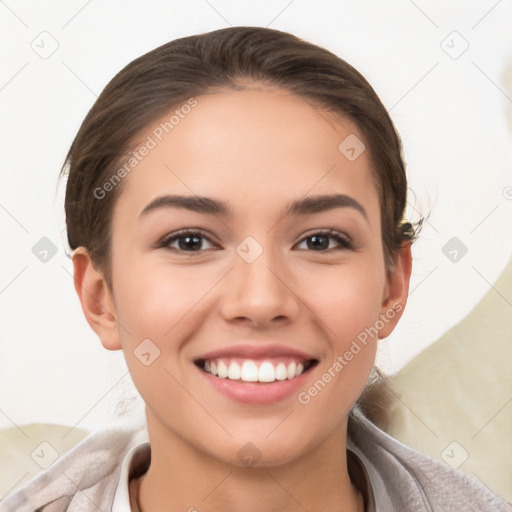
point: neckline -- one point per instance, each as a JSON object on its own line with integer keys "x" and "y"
{"x": 357, "y": 474}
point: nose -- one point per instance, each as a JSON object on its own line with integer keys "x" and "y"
{"x": 259, "y": 293}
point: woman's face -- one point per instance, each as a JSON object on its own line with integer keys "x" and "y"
{"x": 258, "y": 283}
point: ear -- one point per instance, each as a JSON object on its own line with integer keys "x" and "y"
{"x": 96, "y": 299}
{"x": 396, "y": 290}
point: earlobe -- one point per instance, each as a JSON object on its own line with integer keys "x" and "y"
{"x": 96, "y": 299}
{"x": 397, "y": 290}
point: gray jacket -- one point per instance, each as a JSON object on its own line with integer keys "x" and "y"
{"x": 398, "y": 478}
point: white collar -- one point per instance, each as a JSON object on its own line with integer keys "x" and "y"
{"x": 135, "y": 460}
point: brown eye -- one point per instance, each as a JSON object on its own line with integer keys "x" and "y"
{"x": 187, "y": 241}
{"x": 321, "y": 241}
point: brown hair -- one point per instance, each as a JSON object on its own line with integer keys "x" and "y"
{"x": 169, "y": 75}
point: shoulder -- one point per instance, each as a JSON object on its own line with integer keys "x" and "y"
{"x": 405, "y": 479}
{"x": 93, "y": 464}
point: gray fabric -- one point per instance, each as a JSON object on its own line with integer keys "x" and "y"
{"x": 405, "y": 480}
{"x": 401, "y": 479}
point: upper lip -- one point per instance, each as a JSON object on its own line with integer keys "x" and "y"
{"x": 255, "y": 352}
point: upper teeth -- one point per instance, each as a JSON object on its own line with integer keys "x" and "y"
{"x": 249, "y": 371}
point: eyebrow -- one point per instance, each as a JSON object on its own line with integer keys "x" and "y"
{"x": 210, "y": 206}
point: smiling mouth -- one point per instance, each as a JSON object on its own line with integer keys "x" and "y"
{"x": 256, "y": 370}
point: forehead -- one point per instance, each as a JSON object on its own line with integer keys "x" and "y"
{"x": 256, "y": 144}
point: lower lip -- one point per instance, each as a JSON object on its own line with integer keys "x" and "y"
{"x": 257, "y": 392}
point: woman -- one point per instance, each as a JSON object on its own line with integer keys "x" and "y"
{"x": 235, "y": 205}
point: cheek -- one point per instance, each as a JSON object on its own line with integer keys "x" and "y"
{"x": 348, "y": 313}
{"x": 157, "y": 311}
{"x": 347, "y": 301}
{"x": 155, "y": 302}
{"x": 347, "y": 305}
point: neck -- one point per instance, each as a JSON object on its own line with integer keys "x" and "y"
{"x": 180, "y": 478}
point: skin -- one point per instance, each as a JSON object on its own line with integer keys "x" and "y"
{"x": 256, "y": 149}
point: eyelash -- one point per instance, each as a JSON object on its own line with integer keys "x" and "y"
{"x": 343, "y": 240}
